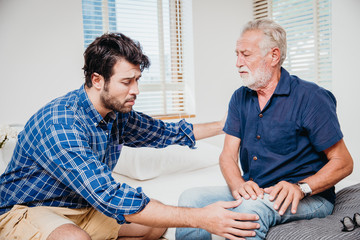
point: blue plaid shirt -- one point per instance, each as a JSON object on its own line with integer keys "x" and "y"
{"x": 66, "y": 153}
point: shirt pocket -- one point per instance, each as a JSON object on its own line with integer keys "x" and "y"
{"x": 280, "y": 136}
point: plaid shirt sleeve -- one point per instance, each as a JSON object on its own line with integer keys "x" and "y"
{"x": 66, "y": 154}
{"x": 143, "y": 131}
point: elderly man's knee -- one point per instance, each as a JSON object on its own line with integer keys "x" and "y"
{"x": 259, "y": 206}
{"x": 190, "y": 198}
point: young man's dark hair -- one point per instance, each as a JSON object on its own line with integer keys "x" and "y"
{"x": 102, "y": 54}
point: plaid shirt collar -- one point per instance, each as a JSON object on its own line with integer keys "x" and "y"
{"x": 89, "y": 108}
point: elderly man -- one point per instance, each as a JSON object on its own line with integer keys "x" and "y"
{"x": 58, "y": 184}
{"x": 285, "y": 131}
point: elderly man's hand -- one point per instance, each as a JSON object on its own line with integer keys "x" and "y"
{"x": 248, "y": 189}
{"x": 285, "y": 194}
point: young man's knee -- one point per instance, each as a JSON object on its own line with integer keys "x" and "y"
{"x": 68, "y": 232}
{"x": 155, "y": 233}
{"x": 142, "y": 233}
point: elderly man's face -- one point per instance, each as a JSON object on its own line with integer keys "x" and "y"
{"x": 254, "y": 67}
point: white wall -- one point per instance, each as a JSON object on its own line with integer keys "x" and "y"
{"x": 346, "y": 79}
{"x": 41, "y": 47}
{"x": 216, "y": 25}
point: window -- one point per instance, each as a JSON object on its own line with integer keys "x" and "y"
{"x": 160, "y": 26}
{"x": 308, "y": 27}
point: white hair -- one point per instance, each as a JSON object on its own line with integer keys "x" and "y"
{"x": 274, "y": 36}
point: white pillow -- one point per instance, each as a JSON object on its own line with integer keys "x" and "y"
{"x": 6, "y": 154}
{"x": 2, "y": 164}
{"x": 147, "y": 163}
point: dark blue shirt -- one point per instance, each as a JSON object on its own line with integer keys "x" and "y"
{"x": 65, "y": 155}
{"x": 285, "y": 140}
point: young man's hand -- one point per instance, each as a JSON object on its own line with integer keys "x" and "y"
{"x": 216, "y": 219}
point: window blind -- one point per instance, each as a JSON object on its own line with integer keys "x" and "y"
{"x": 160, "y": 26}
{"x": 308, "y": 27}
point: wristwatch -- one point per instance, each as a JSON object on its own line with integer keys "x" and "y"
{"x": 305, "y": 188}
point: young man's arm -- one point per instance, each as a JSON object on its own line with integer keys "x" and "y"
{"x": 214, "y": 218}
{"x": 205, "y": 130}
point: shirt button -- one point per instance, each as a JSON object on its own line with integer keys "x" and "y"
{"x": 260, "y": 115}
{"x": 258, "y": 137}
{"x": 255, "y": 158}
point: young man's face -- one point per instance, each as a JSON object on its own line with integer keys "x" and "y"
{"x": 253, "y": 66}
{"x": 120, "y": 92}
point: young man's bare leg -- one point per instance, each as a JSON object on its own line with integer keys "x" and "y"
{"x": 68, "y": 232}
{"x": 135, "y": 231}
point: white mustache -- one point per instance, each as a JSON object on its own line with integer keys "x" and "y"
{"x": 244, "y": 69}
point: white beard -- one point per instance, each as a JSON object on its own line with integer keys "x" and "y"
{"x": 259, "y": 79}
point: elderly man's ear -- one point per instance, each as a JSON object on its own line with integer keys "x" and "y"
{"x": 275, "y": 56}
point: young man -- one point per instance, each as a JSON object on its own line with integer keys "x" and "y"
{"x": 58, "y": 184}
{"x": 285, "y": 132}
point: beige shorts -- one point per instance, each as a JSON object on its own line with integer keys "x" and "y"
{"x": 23, "y": 222}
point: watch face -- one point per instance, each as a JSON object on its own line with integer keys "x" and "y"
{"x": 305, "y": 188}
